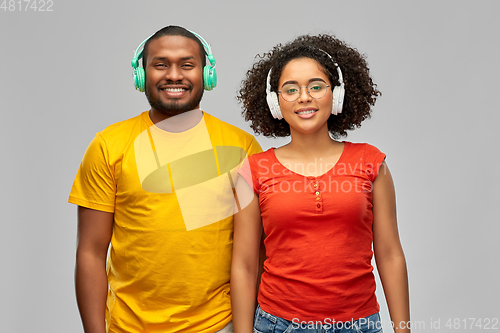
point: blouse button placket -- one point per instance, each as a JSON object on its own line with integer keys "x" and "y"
{"x": 318, "y": 202}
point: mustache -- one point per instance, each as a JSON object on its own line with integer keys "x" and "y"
{"x": 177, "y": 83}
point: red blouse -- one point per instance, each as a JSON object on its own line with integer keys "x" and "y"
{"x": 318, "y": 236}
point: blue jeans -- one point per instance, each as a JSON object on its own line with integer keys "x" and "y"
{"x": 267, "y": 323}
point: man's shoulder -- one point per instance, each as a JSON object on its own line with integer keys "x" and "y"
{"x": 215, "y": 123}
{"x": 124, "y": 128}
{"x": 224, "y": 134}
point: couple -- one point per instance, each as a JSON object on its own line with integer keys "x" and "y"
{"x": 162, "y": 188}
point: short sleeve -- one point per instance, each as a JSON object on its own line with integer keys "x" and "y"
{"x": 245, "y": 171}
{"x": 252, "y": 169}
{"x": 94, "y": 186}
{"x": 373, "y": 158}
{"x": 254, "y": 147}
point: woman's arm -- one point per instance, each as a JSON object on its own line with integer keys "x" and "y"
{"x": 245, "y": 264}
{"x": 389, "y": 256}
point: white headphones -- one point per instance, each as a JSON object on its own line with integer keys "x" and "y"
{"x": 337, "y": 100}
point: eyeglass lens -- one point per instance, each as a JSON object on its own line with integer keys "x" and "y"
{"x": 315, "y": 89}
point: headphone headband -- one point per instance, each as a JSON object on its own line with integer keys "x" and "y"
{"x": 138, "y": 53}
{"x": 206, "y": 46}
{"x": 209, "y": 73}
{"x": 339, "y": 72}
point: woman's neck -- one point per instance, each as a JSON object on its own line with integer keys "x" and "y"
{"x": 311, "y": 144}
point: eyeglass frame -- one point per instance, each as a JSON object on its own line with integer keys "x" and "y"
{"x": 307, "y": 89}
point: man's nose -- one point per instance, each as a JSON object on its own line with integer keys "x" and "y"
{"x": 174, "y": 73}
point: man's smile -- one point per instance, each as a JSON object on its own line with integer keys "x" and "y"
{"x": 175, "y": 91}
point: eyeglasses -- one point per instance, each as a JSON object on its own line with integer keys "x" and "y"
{"x": 315, "y": 89}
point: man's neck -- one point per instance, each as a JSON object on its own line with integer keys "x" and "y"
{"x": 181, "y": 122}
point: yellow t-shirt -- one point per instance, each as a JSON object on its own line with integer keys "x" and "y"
{"x": 172, "y": 198}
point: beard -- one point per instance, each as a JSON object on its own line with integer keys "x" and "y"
{"x": 174, "y": 107}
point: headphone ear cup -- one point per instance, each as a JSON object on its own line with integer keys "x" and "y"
{"x": 340, "y": 103}
{"x": 338, "y": 100}
{"x": 139, "y": 79}
{"x": 274, "y": 106}
{"x": 209, "y": 77}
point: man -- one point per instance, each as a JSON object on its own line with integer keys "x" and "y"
{"x": 159, "y": 188}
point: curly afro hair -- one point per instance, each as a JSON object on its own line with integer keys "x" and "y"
{"x": 360, "y": 91}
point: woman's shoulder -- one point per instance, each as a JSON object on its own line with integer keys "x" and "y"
{"x": 361, "y": 151}
{"x": 362, "y": 147}
{"x": 263, "y": 155}
{"x": 261, "y": 162}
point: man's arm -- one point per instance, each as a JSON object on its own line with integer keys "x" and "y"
{"x": 94, "y": 234}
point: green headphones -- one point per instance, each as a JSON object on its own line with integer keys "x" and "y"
{"x": 209, "y": 73}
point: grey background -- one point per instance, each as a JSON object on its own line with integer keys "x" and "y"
{"x": 66, "y": 75}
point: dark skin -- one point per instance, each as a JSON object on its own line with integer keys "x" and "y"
{"x": 174, "y": 80}
{"x": 94, "y": 235}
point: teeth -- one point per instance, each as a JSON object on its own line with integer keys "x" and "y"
{"x": 306, "y": 112}
{"x": 174, "y": 89}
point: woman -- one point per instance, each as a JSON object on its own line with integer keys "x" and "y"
{"x": 317, "y": 203}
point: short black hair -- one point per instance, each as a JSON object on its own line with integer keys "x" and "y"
{"x": 173, "y": 30}
{"x": 360, "y": 91}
